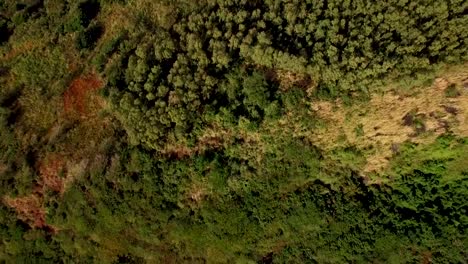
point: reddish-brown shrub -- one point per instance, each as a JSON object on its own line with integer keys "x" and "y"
{"x": 76, "y": 98}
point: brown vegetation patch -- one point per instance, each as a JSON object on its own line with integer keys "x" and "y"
{"x": 30, "y": 209}
{"x": 116, "y": 17}
{"x": 19, "y": 49}
{"x": 3, "y": 168}
{"x": 390, "y": 119}
{"x": 288, "y": 79}
{"x": 212, "y": 139}
{"x": 78, "y": 98}
{"x": 196, "y": 194}
{"x": 178, "y": 151}
{"x": 426, "y": 257}
{"x": 58, "y": 172}
{"x": 50, "y": 174}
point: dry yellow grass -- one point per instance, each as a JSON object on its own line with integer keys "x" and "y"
{"x": 381, "y": 119}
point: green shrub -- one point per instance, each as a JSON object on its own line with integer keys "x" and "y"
{"x": 451, "y": 91}
{"x": 87, "y": 38}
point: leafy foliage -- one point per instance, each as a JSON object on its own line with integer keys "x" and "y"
{"x": 209, "y": 160}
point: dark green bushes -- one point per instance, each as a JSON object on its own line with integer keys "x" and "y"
{"x": 4, "y": 30}
{"x": 284, "y": 203}
{"x": 87, "y": 38}
{"x": 81, "y": 14}
{"x": 278, "y": 207}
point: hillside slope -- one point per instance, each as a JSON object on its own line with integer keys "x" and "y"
{"x": 215, "y": 131}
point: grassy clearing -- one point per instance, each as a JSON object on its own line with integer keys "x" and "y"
{"x": 378, "y": 127}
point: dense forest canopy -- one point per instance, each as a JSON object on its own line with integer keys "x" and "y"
{"x": 233, "y": 131}
{"x": 173, "y": 76}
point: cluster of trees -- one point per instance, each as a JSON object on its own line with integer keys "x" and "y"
{"x": 172, "y": 76}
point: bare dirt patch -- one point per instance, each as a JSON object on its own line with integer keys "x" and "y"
{"x": 380, "y": 125}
